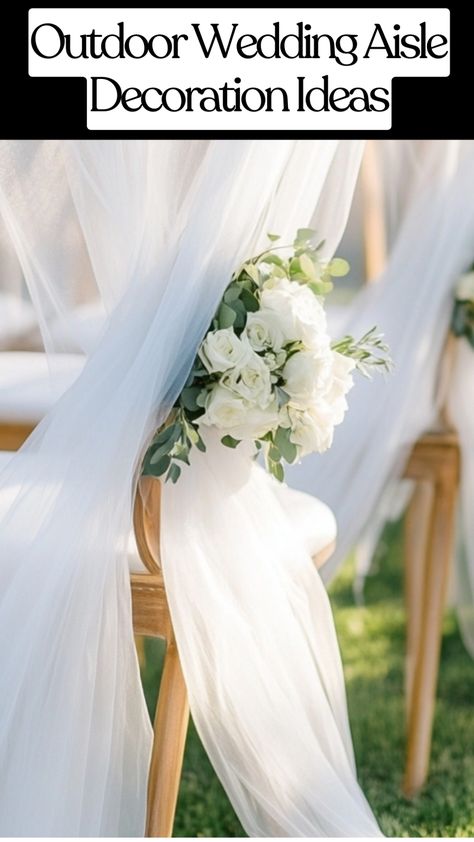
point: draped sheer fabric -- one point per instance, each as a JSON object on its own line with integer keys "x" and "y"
{"x": 429, "y": 188}
{"x": 159, "y": 227}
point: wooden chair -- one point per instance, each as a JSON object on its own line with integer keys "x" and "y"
{"x": 429, "y": 522}
{"x": 151, "y": 618}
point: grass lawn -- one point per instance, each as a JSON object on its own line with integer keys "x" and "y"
{"x": 372, "y": 643}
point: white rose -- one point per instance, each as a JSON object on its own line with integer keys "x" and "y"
{"x": 251, "y": 381}
{"x": 312, "y": 424}
{"x": 222, "y": 350}
{"x": 302, "y": 317}
{"x": 340, "y": 383}
{"x": 465, "y": 287}
{"x": 305, "y": 374}
{"x": 231, "y": 413}
{"x": 264, "y": 329}
{"x": 311, "y": 430}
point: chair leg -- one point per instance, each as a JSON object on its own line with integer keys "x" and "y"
{"x": 439, "y": 548}
{"x": 417, "y": 521}
{"x": 171, "y": 724}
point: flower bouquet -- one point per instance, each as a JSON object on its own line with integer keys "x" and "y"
{"x": 462, "y": 323}
{"x": 267, "y": 371}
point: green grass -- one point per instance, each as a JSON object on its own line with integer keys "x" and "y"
{"x": 372, "y": 644}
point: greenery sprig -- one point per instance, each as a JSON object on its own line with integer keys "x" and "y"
{"x": 370, "y": 352}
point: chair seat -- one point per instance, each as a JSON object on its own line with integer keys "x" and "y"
{"x": 16, "y": 318}
{"x": 9, "y": 492}
{"x": 314, "y": 520}
{"x": 74, "y": 332}
{"x": 31, "y": 382}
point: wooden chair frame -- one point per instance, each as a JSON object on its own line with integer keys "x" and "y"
{"x": 151, "y": 618}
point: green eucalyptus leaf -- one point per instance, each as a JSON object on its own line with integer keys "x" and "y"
{"x": 240, "y": 314}
{"x": 457, "y": 323}
{"x": 170, "y": 433}
{"x": 304, "y": 235}
{"x": 183, "y": 456}
{"x": 338, "y": 267}
{"x": 192, "y": 433}
{"x": 252, "y": 272}
{"x": 226, "y": 316}
{"x": 286, "y": 447}
{"x": 273, "y": 237}
{"x": 202, "y": 398}
{"x": 249, "y": 301}
{"x": 174, "y": 473}
{"x": 276, "y": 469}
{"x": 160, "y": 466}
{"x": 307, "y": 267}
{"x": 232, "y": 293}
{"x": 274, "y": 259}
{"x": 295, "y": 267}
{"x": 274, "y": 453}
{"x": 229, "y": 441}
{"x": 154, "y": 454}
{"x": 320, "y": 287}
{"x": 189, "y": 396}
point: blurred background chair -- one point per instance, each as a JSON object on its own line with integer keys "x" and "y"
{"x": 433, "y": 465}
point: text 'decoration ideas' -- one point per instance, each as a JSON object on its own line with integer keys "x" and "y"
{"x": 247, "y": 69}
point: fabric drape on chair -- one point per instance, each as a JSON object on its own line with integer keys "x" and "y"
{"x": 163, "y": 224}
{"x": 429, "y": 187}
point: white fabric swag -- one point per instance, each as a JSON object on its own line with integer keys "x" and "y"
{"x": 160, "y": 226}
{"x": 429, "y": 188}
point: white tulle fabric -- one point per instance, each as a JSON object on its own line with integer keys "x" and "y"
{"x": 160, "y": 226}
{"x": 432, "y": 234}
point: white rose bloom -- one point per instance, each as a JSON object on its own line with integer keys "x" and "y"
{"x": 311, "y": 429}
{"x": 302, "y": 317}
{"x": 305, "y": 374}
{"x": 465, "y": 287}
{"x": 232, "y": 414}
{"x": 342, "y": 368}
{"x": 251, "y": 381}
{"x": 340, "y": 383}
{"x": 223, "y": 350}
{"x": 312, "y": 423}
{"x": 264, "y": 329}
